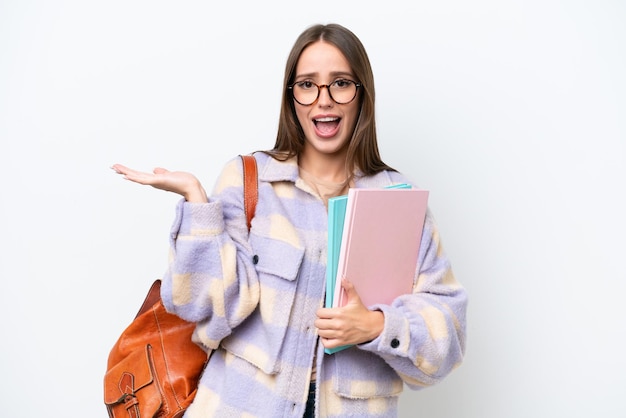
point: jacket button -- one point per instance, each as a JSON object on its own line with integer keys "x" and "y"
{"x": 255, "y": 259}
{"x": 395, "y": 343}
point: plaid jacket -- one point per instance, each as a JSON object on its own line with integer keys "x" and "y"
{"x": 254, "y": 297}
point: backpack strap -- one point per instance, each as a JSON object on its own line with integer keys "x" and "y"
{"x": 250, "y": 187}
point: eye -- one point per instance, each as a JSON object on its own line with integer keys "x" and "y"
{"x": 342, "y": 83}
{"x": 305, "y": 85}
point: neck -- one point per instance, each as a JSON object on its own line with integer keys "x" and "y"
{"x": 327, "y": 167}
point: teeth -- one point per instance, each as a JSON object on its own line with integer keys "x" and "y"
{"x": 326, "y": 119}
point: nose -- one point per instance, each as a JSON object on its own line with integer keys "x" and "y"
{"x": 324, "y": 98}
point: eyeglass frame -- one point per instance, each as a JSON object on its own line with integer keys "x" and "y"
{"x": 357, "y": 85}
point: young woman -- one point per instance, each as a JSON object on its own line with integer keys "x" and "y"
{"x": 257, "y": 296}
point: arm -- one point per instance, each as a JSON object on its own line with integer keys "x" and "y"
{"x": 210, "y": 277}
{"x": 423, "y": 338}
{"x": 422, "y": 335}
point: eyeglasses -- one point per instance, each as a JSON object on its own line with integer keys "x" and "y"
{"x": 341, "y": 91}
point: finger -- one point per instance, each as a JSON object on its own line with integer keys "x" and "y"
{"x": 127, "y": 173}
{"x": 329, "y": 333}
{"x": 351, "y": 294}
{"x": 137, "y": 176}
{"x": 119, "y": 168}
{"x": 326, "y": 324}
{"x": 325, "y": 342}
{"x": 160, "y": 170}
{"x": 330, "y": 342}
{"x": 325, "y": 313}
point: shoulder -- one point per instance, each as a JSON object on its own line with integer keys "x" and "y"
{"x": 269, "y": 170}
{"x": 232, "y": 171}
{"x": 383, "y": 179}
{"x": 230, "y": 176}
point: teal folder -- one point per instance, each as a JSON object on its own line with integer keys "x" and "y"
{"x": 336, "y": 216}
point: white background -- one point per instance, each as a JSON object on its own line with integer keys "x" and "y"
{"x": 510, "y": 112}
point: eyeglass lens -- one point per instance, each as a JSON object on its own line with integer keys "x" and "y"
{"x": 341, "y": 91}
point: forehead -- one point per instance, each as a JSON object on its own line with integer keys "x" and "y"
{"x": 322, "y": 58}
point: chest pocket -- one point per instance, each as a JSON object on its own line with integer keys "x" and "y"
{"x": 260, "y": 337}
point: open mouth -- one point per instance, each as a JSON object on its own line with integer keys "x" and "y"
{"x": 327, "y": 126}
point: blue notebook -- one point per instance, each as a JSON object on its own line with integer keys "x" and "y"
{"x": 336, "y": 216}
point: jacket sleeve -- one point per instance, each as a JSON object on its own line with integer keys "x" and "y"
{"x": 210, "y": 278}
{"x": 423, "y": 338}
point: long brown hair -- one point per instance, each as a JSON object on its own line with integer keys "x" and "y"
{"x": 363, "y": 147}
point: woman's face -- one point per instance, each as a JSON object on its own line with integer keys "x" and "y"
{"x": 327, "y": 125}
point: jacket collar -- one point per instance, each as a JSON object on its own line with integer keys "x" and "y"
{"x": 272, "y": 170}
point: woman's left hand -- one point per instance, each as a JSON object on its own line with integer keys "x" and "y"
{"x": 351, "y": 324}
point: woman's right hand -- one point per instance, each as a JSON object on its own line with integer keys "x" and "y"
{"x": 180, "y": 182}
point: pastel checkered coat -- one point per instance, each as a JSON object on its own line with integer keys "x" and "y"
{"x": 254, "y": 297}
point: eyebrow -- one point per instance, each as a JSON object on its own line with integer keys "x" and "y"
{"x": 332, "y": 74}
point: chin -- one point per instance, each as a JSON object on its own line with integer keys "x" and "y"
{"x": 331, "y": 150}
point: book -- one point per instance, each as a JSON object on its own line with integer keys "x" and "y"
{"x": 336, "y": 216}
{"x": 380, "y": 243}
{"x": 380, "y": 233}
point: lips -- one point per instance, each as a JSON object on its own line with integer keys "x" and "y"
{"x": 326, "y": 126}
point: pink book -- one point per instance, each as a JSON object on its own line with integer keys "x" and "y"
{"x": 380, "y": 244}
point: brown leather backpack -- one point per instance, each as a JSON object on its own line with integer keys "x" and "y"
{"x": 154, "y": 367}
